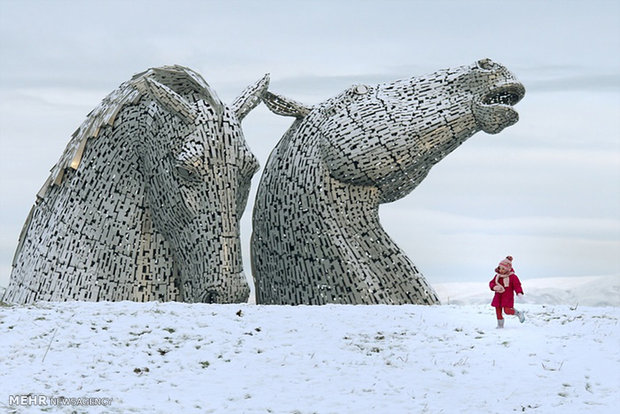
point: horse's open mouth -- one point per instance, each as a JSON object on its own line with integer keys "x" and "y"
{"x": 504, "y": 95}
{"x": 494, "y": 111}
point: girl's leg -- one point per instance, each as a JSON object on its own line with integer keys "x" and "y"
{"x": 513, "y": 311}
{"x": 500, "y": 318}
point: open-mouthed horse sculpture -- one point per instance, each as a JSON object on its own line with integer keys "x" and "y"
{"x": 145, "y": 202}
{"x": 316, "y": 232}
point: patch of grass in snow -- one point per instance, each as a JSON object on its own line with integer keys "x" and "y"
{"x": 461, "y": 362}
{"x": 141, "y": 371}
{"x": 170, "y": 330}
{"x": 529, "y": 406}
{"x": 220, "y": 356}
{"x": 205, "y": 364}
{"x": 146, "y": 331}
{"x": 611, "y": 318}
{"x": 549, "y": 368}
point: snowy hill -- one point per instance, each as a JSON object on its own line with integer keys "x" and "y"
{"x": 182, "y": 358}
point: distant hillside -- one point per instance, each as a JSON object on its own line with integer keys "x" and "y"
{"x": 582, "y": 291}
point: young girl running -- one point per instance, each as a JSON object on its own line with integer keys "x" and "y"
{"x": 505, "y": 284}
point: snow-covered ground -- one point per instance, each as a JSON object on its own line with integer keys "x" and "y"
{"x": 186, "y": 358}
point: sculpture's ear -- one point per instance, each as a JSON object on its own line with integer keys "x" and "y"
{"x": 171, "y": 100}
{"x": 250, "y": 98}
{"x": 284, "y": 106}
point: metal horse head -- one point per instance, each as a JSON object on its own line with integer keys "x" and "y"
{"x": 145, "y": 202}
{"x": 317, "y": 237}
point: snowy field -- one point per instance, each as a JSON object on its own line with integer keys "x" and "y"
{"x": 182, "y": 358}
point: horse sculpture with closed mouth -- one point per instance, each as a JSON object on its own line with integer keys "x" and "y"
{"x": 145, "y": 202}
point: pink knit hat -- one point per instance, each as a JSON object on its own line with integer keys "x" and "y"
{"x": 506, "y": 263}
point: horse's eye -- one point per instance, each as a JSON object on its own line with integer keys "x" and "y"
{"x": 186, "y": 173}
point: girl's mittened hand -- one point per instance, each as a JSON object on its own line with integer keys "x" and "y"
{"x": 498, "y": 289}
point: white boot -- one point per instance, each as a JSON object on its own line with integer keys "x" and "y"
{"x": 500, "y": 323}
{"x": 520, "y": 315}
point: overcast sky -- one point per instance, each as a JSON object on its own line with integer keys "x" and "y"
{"x": 546, "y": 190}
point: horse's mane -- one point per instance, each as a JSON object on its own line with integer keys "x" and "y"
{"x": 178, "y": 79}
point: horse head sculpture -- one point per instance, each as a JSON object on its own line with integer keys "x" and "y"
{"x": 145, "y": 202}
{"x": 317, "y": 237}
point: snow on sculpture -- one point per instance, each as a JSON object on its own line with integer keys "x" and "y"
{"x": 316, "y": 232}
{"x": 145, "y": 202}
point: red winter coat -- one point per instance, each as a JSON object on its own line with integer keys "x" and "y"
{"x": 506, "y": 299}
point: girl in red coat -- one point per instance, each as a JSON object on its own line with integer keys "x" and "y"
{"x": 505, "y": 284}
